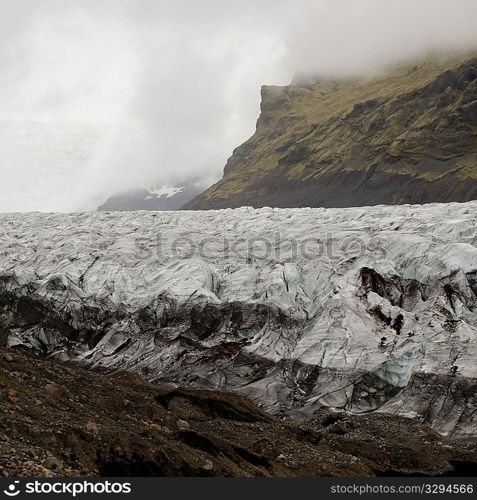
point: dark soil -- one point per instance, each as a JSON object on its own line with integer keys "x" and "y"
{"x": 61, "y": 420}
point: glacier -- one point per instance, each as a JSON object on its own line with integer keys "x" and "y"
{"x": 369, "y": 309}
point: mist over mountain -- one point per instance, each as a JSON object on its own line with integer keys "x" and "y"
{"x": 153, "y": 198}
{"x": 172, "y": 88}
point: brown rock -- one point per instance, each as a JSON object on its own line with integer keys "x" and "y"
{"x": 160, "y": 428}
{"x": 208, "y": 465}
{"x": 55, "y": 391}
{"x": 52, "y": 463}
{"x": 92, "y": 427}
{"x": 183, "y": 425}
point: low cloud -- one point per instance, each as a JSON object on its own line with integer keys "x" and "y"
{"x": 98, "y": 96}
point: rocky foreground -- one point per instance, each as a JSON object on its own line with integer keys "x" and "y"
{"x": 355, "y": 310}
{"x": 58, "y": 420}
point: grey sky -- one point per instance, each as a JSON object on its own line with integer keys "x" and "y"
{"x": 100, "y": 95}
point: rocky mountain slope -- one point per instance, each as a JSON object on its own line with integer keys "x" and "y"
{"x": 59, "y": 420}
{"x": 362, "y": 310}
{"x": 407, "y": 136}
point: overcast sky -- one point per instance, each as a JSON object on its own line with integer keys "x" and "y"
{"x": 98, "y": 96}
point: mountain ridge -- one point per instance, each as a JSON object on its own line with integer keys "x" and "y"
{"x": 407, "y": 136}
{"x": 157, "y": 198}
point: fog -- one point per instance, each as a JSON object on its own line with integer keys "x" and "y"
{"x": 99, "y": 96}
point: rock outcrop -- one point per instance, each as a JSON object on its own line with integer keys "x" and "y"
{"x": 362, "y": 310}
{"x": 407, "y": 136}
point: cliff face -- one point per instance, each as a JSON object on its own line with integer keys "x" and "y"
{"x": 409, "y": 136}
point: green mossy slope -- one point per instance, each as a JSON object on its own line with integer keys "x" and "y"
{"x": 406, "y": 136}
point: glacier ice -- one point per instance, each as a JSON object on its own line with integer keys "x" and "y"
{"x": 362, "y": 309}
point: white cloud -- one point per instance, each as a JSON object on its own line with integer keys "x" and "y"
{"x": 172, "y": 87}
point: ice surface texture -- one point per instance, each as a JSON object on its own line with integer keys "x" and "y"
{"x": 362, "y": 309}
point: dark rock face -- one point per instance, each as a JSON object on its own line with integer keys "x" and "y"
{"x": 406, "y": 137}
{"x": 343, "y": 188}
{"x": 61, "y": 420}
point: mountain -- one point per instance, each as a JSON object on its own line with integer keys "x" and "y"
{"x": 406, "y": 136}
{"x": 363, "y": 310}
{"x": 152, "y": 198}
